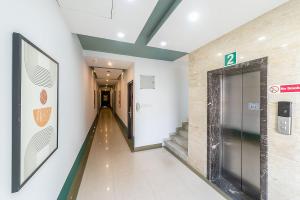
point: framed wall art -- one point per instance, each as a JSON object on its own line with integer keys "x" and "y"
{"x": 94, "y": 99}
{"x": 119, "y": 99}
{"x": 34, "y": 110}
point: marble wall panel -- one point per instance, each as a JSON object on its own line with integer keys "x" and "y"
{"x": 281, "y": 28}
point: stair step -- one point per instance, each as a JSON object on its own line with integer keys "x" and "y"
{"x": 177, "y": 149}
{"x": 185, "y": 126}
{"x": 183, "y": 133}
{"x": 182, "y": 141}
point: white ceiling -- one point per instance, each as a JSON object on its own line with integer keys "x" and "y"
{"x": 94, "y": 61}
{"x": 104, "y": 66}
{"x": 109, "y": 83}
{"x": 103, "y": 79}
{"x": 103, "y": 72}
{"x": 94, "y": 8}
{"x": 92, "y": 17}
{"x": 216, "y": 18}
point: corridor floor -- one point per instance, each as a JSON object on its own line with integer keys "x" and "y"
{"x": 114, "y": 172}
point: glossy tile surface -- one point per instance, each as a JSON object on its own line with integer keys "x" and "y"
{"x": 113, "y": 172}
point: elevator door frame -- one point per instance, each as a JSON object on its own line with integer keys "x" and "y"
{"x": 214, "y": 125}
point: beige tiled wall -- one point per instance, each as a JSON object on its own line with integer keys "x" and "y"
{"x": 281, "y": 27}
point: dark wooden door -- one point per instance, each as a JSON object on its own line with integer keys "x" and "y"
{"x": 105, "y": 99}
{"x": 130, "y": 110}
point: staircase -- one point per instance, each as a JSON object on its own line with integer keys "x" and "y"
{"x": 178, "y": 142}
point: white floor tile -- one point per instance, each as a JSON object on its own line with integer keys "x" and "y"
{"x": 113, "y": 172}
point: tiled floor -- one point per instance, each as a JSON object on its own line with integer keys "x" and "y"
{"x": 113, "y": 172}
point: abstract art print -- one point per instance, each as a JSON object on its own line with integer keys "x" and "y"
{"x": 119, "y": 99}
{"x": 35, "y": 110}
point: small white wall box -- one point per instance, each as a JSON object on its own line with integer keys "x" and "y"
{"x": 147, "y": 82}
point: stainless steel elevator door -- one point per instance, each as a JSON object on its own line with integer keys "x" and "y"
{"x": 231, "y": 128}
{"x": 241, "y": 131}
{"x": 251, "y": 134}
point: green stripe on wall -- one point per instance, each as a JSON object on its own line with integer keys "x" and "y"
{"x": 72, "y": 183}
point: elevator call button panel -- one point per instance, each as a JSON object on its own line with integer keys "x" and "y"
{"x": 284, "y": 124}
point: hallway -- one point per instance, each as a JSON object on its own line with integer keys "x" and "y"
{"x": 207, "y": 91}
{"x": 113, "y": 172}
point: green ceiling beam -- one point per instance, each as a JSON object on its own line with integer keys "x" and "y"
{"x": 160, "y": 14}
{"x": 129, "y": 49}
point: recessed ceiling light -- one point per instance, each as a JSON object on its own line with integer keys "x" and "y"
{"x": 107, "y": 74}
{"x": 106, "y": 80}
{"x": 193, "y": 16}
{"x": 130, "y": 1}
{"x": 220, "y": 54}
{"x": 109, "y": 63}
{"x": 262, "y": 38}
{"x": 242, "y": 57}
{"x": 120, "y": 35}
{"x": 163, "y": 43}
{"x": 284, "y": 45}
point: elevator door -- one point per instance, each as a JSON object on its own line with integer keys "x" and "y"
{"x": 232, "y": 126}
{"x": 251, "y": 134}
{"x": 241, "y": 131}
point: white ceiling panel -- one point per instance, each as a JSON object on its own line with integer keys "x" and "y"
{"x": 109, "y": 83}
{"x": 105, "y": 66}
{"x": 94, "y": 8}
{"x": 90, "y": 17}
{"x": 106, "y": 76}
{"x": 107, "y": 63}
{"x": 103, "y": 72}
{"x": 213, "y": 19}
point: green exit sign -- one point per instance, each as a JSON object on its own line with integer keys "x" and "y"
{"x": 230, "y": 59}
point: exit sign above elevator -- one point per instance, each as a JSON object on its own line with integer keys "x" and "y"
{"x": 230, "y": 59}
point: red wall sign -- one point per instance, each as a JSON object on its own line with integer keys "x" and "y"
{"x": 290, "y": 88}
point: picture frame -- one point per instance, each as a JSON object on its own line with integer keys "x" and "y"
{"x": 34, "y": 109}
{"x": 94, "y": 99}
{"x": 119, "y": 98}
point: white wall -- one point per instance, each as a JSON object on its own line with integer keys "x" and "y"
{"x": 41, "y": 22}
{"x": 160, "y": 111}
{"x": 160, "y": 108}
{"x": 183, "y": 87}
